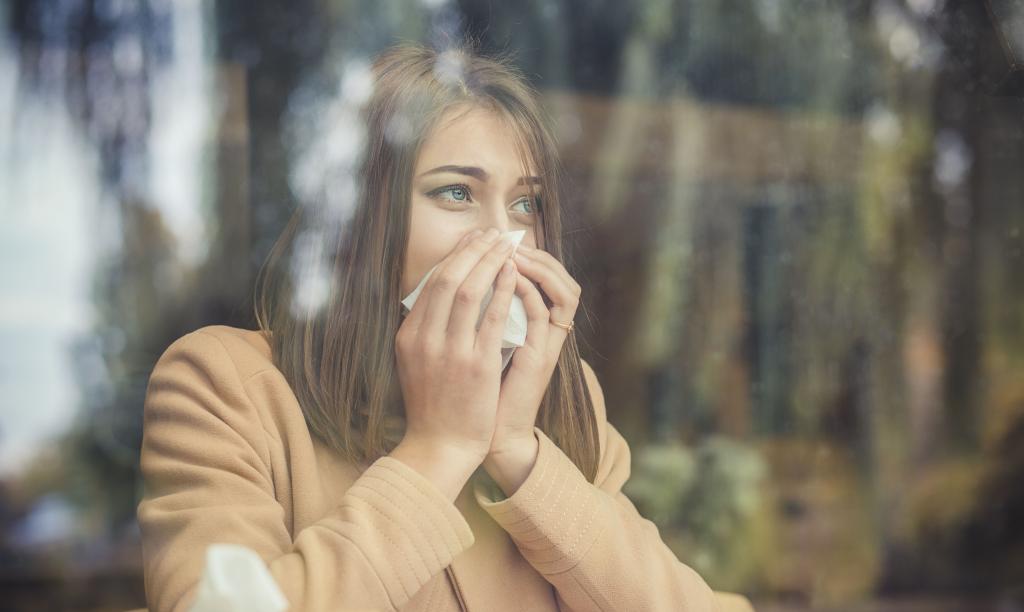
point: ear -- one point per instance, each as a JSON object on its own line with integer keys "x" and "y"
{"x": 597, "y": 396}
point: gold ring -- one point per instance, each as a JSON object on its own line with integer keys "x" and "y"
{"x": 567, "y": 326}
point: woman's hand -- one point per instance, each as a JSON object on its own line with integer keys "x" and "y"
{"x": 513, "y": 448}
{"x": 450, "y": 373}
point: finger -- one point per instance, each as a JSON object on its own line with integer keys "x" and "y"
{"x": 469, "y": 296}
{"x": 447, "y": 279}
{"x": 488, "y": 339}
{"x": 538, "y": 316}
{"x": 419, "y": 308}
{"x": 543, "y": 257}
{"x": 564, "y": 297}
{"x": 551, "y": 275}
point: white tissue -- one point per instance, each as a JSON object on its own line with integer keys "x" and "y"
{"x": 514, "y": 335}
{"x": 237, "y": 580}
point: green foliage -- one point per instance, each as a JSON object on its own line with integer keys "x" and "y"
{"x": 705, "y": 501}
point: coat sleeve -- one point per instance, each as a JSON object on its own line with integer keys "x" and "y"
{"x": 208, "y": 479}
{"x": 588, "y": 539}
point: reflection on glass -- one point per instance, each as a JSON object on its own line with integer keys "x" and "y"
{"x": 797, "y": 226}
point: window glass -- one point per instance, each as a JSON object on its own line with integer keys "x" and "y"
{"x": 798, "y": 228}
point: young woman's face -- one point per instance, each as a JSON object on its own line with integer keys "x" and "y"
{"x": 468, "y": 176}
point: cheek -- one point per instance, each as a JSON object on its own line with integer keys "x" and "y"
{"x": 431, "y": 238}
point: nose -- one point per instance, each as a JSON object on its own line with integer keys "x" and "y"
{"x": 494, "y": 217}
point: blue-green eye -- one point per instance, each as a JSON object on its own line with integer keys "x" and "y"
{"x": 531, "y": 208}
{"x": 455, "y": 193}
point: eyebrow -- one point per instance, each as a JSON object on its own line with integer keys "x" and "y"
{"x": 478, "y": 173}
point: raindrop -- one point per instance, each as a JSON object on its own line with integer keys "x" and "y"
{"x": 922, "y": 7}
{"x": 883, "y": 125}
{"x": 550, "y": 10}
{"x": 357, "y": 82}
{"x": 128, "y": 55}
{"x": 310, "y": 276}
{"x": 450, "y": 68}
{"x": 904, "y": 43}
{"x": 399, "y": 130}
{"x": 569, "y": 128}
{"x": 770, "y": 13}
{"x": 952, "y": 159}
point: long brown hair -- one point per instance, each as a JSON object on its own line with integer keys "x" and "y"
{"x": 338, "y": 352}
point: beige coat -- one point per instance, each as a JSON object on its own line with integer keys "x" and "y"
{"x": 227, "y": 457}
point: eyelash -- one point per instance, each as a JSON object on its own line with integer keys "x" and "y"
{"x": 436, "y": 194}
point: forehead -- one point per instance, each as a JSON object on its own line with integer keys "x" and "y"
{"x": 473, "y": 136}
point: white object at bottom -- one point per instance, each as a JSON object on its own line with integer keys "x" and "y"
{"x": 237, "y": 579}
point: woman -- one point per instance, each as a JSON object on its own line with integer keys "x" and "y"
{"x": 382, "y": 460}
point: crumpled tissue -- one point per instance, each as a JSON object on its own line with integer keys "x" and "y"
{"x": 514, "y": 335}
{"x": 235, "y": 580}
